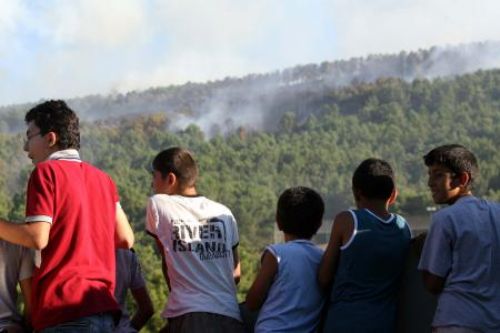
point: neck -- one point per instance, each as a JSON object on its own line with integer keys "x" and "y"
{"x": 461, "y": 195}
{"x": 188, "y": 191}
{"x": 290, "y": 237}
{"x": 379, "y": 208}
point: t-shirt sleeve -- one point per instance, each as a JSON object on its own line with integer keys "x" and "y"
{"x": 152, "y": 219}
{"x": 273, "y": 251}
{"x": 234, "y": 230}
{"x": 40, "y": 196}
{"x": 136, "y": 277}
{"x": 438, "y": 249}
{"x": 27, "y": 263}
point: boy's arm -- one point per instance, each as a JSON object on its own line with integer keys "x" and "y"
{"x": 437, "y": 256}
{"x": 152, "y": 221}
{"x": 124, "y": 236}
{"x": 26, "y": 292}
{"x": 164, "y": 267}
{"x": 236, "y": 265}
{"x": 260, "y": 287}
{"x": 342, "y": 230}
{"x": 144, "y": 307}
{"x": 433, "y": 283}
{"x": 33, "y": 235}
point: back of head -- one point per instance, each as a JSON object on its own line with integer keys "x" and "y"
{"x": 454, "y": 157}
{"x": 178, "y": 161}
{"x": 56, "y": 116}
{"x": 300, "y": 212}
{"x": 374, "y": 179}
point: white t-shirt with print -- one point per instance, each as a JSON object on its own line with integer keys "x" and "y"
{"x": 197, "y": 235}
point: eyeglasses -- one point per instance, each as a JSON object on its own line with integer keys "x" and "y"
{"x": 31, "y": 136}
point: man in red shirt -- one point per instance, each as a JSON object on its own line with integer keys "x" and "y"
{"x": 74, "y": 220}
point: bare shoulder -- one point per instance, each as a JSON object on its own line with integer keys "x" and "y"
{"x": 343, "y": 220}
{"x": 343, "y": 226}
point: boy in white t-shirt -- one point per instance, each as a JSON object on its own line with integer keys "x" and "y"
{"x": 198, "y": 240}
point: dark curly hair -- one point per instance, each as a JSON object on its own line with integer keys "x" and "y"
{"x": 55, "y": 116}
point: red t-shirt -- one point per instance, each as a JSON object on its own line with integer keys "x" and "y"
{"x": 76, "y": 275}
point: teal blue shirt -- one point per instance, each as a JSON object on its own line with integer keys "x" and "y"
{"x": 363, "y": 298}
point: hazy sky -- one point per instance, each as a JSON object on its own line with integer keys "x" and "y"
{"x": 70, "y": 48}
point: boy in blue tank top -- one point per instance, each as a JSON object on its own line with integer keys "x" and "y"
{"x": 286, "y": 288}
{"x": 365, "y": 256}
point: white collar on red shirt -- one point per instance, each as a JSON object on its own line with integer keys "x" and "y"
{"x": 65, "y": 154}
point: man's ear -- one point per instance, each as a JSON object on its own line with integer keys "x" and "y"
{"x": 461, "y": 180}
{"x": 52, "y": 139}
{"x": 171, "y": 179}
{"x": 393, "y": 197}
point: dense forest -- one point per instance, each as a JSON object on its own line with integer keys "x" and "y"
{"x": 319, "y": 138}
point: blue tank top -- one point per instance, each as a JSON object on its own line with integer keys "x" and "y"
{"x": 363, "y": 298}
{"x": 294, "y": 301}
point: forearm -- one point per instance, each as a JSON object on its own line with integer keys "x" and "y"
{"x": 164, "y": 269}
{"x": 236, "y": 266}
{"x": 257, "y": 293}
{"x": 124, "y": 235}
{"x": 32, "y": 235}
{"x": 145, "y": 308}
{"x": 139, "y": 320}
{"x": 328, "y": 267}
{"x": 325, "y": 275}
{"x": 433, "y": 283}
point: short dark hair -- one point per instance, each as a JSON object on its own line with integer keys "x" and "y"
{"x": 178, "y": 161}
{"x": 55, "y": 116}
{"x": 455, "y": 157}
{"x": 374, "y": 178}
{"x": 300, "y": 211}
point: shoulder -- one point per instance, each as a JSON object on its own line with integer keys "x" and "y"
{"x": 90, "y": 168}
{"x": 274, "y": 250}
{"x": 346, "y": 216}
{"x": 160, "y": 199}
{"x": 480, "y": 204}
{"x": 299, "y": 247}
{"x": 44, "y": 168}
{"x": 159, "y": 202}
{"x": 447, "y": 214}
{"x": 219, "y": 207}
{"x": 401, "y": 222}
{"x": 345, "y": 219}
{"x": 445, "y": 221}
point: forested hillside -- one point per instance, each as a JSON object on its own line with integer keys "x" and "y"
{"x": 317, "y": 141}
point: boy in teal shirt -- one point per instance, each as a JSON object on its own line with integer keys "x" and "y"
{"x": 365, "y": 256}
